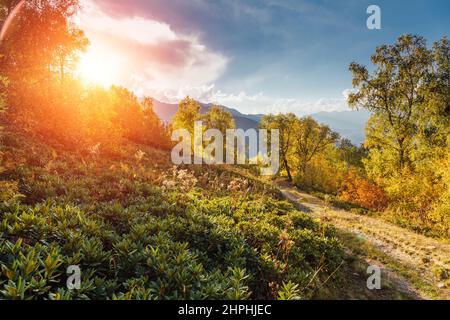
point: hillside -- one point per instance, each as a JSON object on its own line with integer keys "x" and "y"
{"x": 109, "y": 194}
{"x": 140, "y": 228}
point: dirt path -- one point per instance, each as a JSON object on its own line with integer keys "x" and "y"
{"x": 416, "y": 265}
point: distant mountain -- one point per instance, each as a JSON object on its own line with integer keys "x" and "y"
{"x": 350, "y": 124}
{"x": 166, "y": 111}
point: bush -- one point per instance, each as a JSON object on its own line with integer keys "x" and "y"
{"x": 9, "y": 191}
{"x": 420, "y": 199}
{"x": 359, "y": 191}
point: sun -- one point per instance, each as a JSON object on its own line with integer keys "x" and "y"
{"x": 99, "y": 67}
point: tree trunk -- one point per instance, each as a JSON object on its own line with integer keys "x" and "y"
{"x": 288, "y": 171}
{"x": 401, "y": 154}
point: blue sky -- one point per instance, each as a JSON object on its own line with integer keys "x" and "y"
{"x": 262, "y": 55}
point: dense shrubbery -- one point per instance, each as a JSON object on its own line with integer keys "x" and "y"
{"x": 138, "y": 232}
{"x": 359, "y": 191}
{"x": 420, "y": 200}
{"x": 325, "y": 173}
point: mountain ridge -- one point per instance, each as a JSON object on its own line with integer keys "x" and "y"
{"x": 350, "y": 124}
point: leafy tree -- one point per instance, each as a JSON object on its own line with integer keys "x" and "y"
{"x": 311, "y": 139}
{"x": 352, "y": 155}
{"x": 155, "y": 131}
{"x": 408, "y": 132}
{"x": 38, "y": 52}
{"x": 393, "y": 94}
{"x": 435, "y": 123}
{"x": 97, "y": 108}
{"x": 2, "y": 100}
{"x": 3, "y": 83}
{"x": 137, "y": 121}
{"x": 42, "y": 43}
{"x": 188, "y": 112}
{"x": 218, "y": 118}
{"x": 72, "y": 43}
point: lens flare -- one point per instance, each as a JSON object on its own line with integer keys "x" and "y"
{"x": 10, "y": 19}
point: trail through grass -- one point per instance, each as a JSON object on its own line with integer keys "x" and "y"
{"x": 414, "y": 265}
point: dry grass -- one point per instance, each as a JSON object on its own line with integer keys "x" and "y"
{"x": 423, "y": 262}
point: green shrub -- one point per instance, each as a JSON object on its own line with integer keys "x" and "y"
{"x": 136, "y": 234}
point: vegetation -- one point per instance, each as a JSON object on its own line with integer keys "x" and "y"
{"x": 215, "y": 117}
{"x": 408, "y": 132}
{"x": 359, "y": 191}
{"x": 403, "y": 167}
{"x": 86, "y": 180}
{"x": 38, "y": 57}
{"x": 141, "y": 229}
{"x": 311, "y": 154}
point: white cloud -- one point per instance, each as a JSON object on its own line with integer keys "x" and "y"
{"x": 149, "y": 56}
{"x": 136, "y": 28}
{"x": 256, "y": 103}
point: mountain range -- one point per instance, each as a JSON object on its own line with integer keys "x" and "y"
{"x": 349, "y": 124}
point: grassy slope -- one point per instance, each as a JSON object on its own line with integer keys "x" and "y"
{"x": 422, "y": 262}
{"x": 141, "y": 229}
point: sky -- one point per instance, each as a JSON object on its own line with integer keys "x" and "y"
{"x": 258, "y": 56}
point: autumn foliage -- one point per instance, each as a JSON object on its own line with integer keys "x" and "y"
{"x": 358, "y": 190}
{"x": 44, "y": 96}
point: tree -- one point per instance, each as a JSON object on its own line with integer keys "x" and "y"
{"x": 188, "y": 112}
{"x": 38, "y": 54}
{"x": 72, "y": 42}
{"x": 408, "y": 133}
{"x": 434, "y": 125}
{"x": 438, "y": 83}
{"x": 218, "y": 121}
{"x": 311, "y": 139}
{"x": 156, "y": 133}
{"x": 285, "y": 123}
{"x": 218, "y": 118}
{"x": 393, "y": 94}
{"x": 38, "y": 51}
{"x": 3, "y": 83}
{"x": 42, "y": 43}
{"x": 352, "y": 155}
{"x": 97, "y": 115}
{"x": 128, "y": 114}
